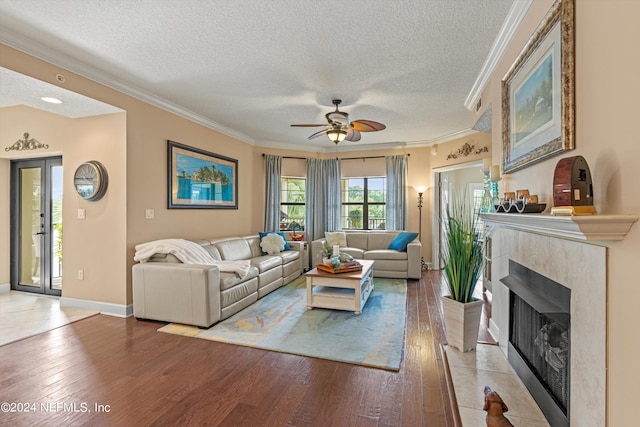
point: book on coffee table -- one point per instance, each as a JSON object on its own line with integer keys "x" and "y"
{"x": 345, "y": 267}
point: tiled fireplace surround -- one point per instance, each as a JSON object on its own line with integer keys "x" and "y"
{"x": 579, "y": 265}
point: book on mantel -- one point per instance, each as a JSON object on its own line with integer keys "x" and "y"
{"x": 345, "y": 267}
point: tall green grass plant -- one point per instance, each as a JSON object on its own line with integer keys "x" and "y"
{"x": 463, "y": 257}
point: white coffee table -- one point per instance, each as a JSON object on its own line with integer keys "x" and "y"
{"x": 341, "y": 291}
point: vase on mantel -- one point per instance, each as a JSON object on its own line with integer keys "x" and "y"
{"x": 462, "y": 322}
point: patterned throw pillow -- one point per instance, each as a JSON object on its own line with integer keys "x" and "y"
{"x": 272, "y": 243}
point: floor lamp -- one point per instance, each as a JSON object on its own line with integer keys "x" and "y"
{"x": 420, "y": 189}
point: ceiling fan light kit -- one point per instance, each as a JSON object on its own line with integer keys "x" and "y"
{"x": 336, "y": 135}
{"x": 340, "y": 128}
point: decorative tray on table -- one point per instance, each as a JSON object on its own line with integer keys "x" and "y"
{"x": 345, "y": 267}
{"x": 521, "y": 207}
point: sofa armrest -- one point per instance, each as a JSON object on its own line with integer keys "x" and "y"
{"x": 317, "y": 249}
{"x": 298, "y": 246}
{"x": 414, "y": 260}
{"x": 181, "y": 293}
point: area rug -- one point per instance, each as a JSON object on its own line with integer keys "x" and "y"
{"x": 281, "y": 322}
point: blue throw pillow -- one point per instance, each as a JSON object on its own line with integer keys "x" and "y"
{"x": 402, "y": 240}
{"x": 280, "y": 233}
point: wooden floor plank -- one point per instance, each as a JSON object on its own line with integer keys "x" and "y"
{"x": 144, "y": 377}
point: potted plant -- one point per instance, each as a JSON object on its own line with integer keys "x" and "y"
{"x": 463, "y": 260}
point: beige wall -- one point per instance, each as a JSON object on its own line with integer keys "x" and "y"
{"x": 96, "y": 244}
{"x": 607, "y": 67}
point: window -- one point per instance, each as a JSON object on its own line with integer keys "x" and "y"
{"x": 363, "y": 203}
{"x": 292, "y": 203}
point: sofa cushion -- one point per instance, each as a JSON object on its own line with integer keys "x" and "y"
{"x": 380, "y": 240}
{"x": 266, "y": 262}
{"x": 233, "y": 249}
{"x": 354, "y": 252}
{"x": 238, "y": 292}
{"x": 380, "y": 254}
{"x": 289, "y": 256}
{"x": 213, "y": 251}
{"x": 229, "y": 280}
{"x": 402, "y": 240}
{"x": 336, "y": 238}
{"x": 358, "y": 240}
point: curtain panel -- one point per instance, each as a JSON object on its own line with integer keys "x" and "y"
{"x": 396, "y": 206}
{"x": 273, "y": 167}
{"x": 323, "y": 197}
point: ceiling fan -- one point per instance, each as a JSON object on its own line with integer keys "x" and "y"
{"x": 340, "y": 128}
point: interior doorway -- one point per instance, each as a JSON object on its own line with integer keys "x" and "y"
{"x": 36, "y": 225}
{"x": 465, "y": 176}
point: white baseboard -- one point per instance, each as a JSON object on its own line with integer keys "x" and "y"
{"x": 5, "y": 288}
{"x": 107, "y": 308}
{"x": 494, "y": 331}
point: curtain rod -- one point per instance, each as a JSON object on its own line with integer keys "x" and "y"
{"x": 343, "y": 158}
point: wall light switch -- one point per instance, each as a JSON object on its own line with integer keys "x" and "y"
{"x": 149, "y": 214}
{"x": 81, "y": 214}
{"x": 80, "y": 274}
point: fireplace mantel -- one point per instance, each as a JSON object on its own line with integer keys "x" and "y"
{"x": 596, "y": 228}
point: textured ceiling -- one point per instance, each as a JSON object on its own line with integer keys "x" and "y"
{"x": 252, "y": 68}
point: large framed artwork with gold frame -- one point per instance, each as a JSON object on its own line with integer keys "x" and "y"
{"x": 538, "y": 99}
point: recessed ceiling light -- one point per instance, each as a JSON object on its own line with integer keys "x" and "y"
{"x": 51, "y": 100}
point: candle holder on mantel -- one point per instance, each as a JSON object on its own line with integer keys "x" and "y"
{"x": 486, "y": 205}
{"x": 494, "y": 176}
{"x": 491, "y": 175}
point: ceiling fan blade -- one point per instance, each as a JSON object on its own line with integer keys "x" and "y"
{"x": 317, "y": 134}
{"x": 353, "y": 135}
{"x": 308, "y": 125}
{"x": 367, "y": 126}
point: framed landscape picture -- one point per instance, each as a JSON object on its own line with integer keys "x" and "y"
{"x": 538, "y": 100}
{"x": 200, "y": 179}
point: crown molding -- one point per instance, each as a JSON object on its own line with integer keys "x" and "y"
{"x": 62, "y": 60}
{"x": 517, "y": 12}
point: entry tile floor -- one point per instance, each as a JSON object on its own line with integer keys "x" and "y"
{"x": 23, "y": 315}
{"x": 472, "y": 371}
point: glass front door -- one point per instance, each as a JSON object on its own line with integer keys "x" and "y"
{"x": 36, "y": 225}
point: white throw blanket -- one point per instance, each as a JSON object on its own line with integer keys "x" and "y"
{"x": 189, "y": 253}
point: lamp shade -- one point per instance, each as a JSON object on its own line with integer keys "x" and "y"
{"x": 336, "y": 135}
{"x": 420, "y": 188}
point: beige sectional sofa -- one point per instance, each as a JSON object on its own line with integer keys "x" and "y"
{"x": 373, "y": 245}
{"x": 166, "y": 289}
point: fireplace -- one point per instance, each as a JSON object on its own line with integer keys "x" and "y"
{"x": 539, "y": 339}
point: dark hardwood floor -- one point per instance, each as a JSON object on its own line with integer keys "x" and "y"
{"x": 121, "y": 372}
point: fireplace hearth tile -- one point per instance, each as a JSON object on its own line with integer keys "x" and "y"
{"x": 477, "y": 417}
{"x": 483, "y": 358}
{"x": 472, "y": 371}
